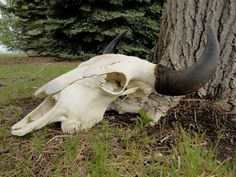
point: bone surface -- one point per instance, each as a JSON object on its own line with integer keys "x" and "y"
{"x": 79, "y": 98}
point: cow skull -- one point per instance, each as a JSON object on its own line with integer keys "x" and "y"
{"x": 78, "y": 99}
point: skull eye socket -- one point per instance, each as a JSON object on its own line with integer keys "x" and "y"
{"x": 116, "y": 78}
{"x": 114, "y": 83}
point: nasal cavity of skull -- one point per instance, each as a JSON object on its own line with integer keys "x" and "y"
{"x": 114, "y": 82}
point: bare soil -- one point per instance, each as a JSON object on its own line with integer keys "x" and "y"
{"x": 202, "y": 116}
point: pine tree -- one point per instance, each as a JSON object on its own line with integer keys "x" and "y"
{"x": 23, "y": 20}
{"x": 79, "y": 29}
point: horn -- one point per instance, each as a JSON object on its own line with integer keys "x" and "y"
{"x": 112, "y": 46}
{"x": 173, "y": 83}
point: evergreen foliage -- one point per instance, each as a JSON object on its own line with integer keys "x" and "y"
{"x": 75, "y": 29}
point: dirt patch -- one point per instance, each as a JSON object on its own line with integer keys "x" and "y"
{"x": 28, "y": 104}
{"x": 202, "y": 116}
{"x": 31, "y": 60}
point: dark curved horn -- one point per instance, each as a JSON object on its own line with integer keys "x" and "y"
{"x": 172, "y": 82}
{"x": 112, "y": 46}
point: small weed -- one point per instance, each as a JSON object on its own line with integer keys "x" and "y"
{"x": 142, "y": 120}
{"x": 71, "y": 146}
{"x": 98, "y": 160}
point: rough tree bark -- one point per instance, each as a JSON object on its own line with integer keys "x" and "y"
{"x": 182, "y": 40}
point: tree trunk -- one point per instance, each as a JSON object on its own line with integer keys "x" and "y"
{"x": 181, "y": 43}
{"x": 183, "y": 38}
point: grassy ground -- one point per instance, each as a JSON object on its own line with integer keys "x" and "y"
{"x": 115, "y": 147}
{"x": 11, "y": 55}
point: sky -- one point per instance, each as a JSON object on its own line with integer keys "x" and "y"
{"x": 2, "y": 49}
{"x": 4, "y": 3}
{"x": 0, "y": 11}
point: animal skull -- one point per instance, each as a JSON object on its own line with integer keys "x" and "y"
{"x": 78, "y": 99}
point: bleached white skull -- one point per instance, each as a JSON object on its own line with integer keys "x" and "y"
{"x": 78, "y": 99}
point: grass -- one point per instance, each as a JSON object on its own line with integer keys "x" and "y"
{"x": 22, "y": 80}
{"x": 12, "y": 55}
{"x": 111, "y": 148}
